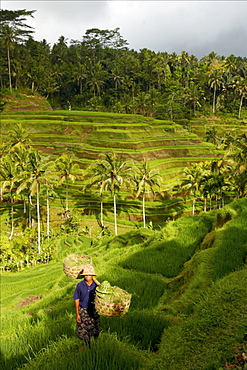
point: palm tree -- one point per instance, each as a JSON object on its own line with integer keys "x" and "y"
{"x": 115, "y": 171}
{"x": 20, "y": 157}
{"x": 18, "y": 138}
{"x": 118, "y": 78}
{"x": 67, "y": 170}
{"x": 145, "y": 180}
{"x": 192, "y": 181}
{"x": 80, "y": 74}
{"x": 239, "y": 153}
{"x": 211, "y": 135}
{"x": 238, "y": 181}
{"x": 141, "y": 102}
{"x": 240, "y": 85}
{"x": 13, "y": 30}
{"x": 37, "y": 169}
{"x": 49, "y": 181}
{"x": 96, "y": 79}
{"x": 98, "y": 173}
{"x": 215, "y": 81}
{"x": 9, "y": 178}
{"x": 8, "y": 36}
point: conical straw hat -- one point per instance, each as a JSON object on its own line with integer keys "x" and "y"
{"x": 88, "y": 270}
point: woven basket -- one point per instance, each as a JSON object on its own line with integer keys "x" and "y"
{"x": 73, "y": 265}
{"x": 112, "y": 309}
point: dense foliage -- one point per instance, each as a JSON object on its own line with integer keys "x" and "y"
{"x": 100, "y": 72}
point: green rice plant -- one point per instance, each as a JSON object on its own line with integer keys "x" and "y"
{"x": 35, "y": 335}
{"x": 231, "y": 243}
{"x": 17, "y": 286}
{"x": 206, "y": 340}
{"x": 105, "y": 353}
{"x": 180, "y": 240}
{"x": 140, "y": 285}
{"x": 196, "y": 277}
{"x": 143, "y": 329}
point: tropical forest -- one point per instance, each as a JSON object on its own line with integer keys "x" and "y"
{"x": 136, "y": 160}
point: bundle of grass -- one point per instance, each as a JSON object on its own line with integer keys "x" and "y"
{"x": 111, "y": 300}
{"x": 74, "y": 264}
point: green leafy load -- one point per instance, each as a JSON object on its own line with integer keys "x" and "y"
{"x": 112, "y": 294}
{"x": 77, "y": 260}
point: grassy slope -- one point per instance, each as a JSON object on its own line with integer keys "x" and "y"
{"x": 24, "y": 100}
{"x": 189, "y": 292}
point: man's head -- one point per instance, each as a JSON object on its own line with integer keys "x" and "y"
{"x": 88, "y": 278}
{"x": 88, "y": 272}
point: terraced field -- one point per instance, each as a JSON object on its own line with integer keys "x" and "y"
{"x": 89, "y": 134}
{"x": 168, "y": 147}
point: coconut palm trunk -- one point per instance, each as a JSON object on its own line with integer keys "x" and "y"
{"x": 9, "y": 70}
{"x": 115, "y": 212}
{"x": 67, "y": 196}
{"x": 193, "y": 206}
{"x": 101, "y": 213}
{"x": 48, "y": 213}
{"x": 240, "y": 106}
{"x": 29, "y": 211}
{"x": 143, "y": 210}
{"x": 12, "y": 219}
{"x": 214, "y": 100}
{"x": 38, "y": 217}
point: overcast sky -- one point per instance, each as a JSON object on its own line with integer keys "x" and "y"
{"x": 197, "y": 27}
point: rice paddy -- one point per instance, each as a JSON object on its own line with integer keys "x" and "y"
{"x": 183, "y": 296}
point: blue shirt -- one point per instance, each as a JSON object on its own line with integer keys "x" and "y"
{"x": 85, "y": 293}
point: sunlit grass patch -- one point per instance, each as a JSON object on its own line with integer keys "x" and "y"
{"x": 177, "y": 244}
{"x": 105, "y": 353}
{"x": 207, "y": 338}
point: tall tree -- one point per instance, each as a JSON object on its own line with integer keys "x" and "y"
{"x": 146, "y": 180}
{"x": 18, "y": 138}
{"x": 67, "y": 170}
{"x": 240, "y": 86}
{"x": 192, "y": 181}
{"x": 13, "y": 30}
{"x": 38, "y": 166}
{"x": 9, "y": 178}
{"x": 215, "y": 80}
{"x": 116, "y": 171}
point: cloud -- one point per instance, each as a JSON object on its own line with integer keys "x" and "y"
{"x": 197, "y": 27}
{"x": 68, "y": 18}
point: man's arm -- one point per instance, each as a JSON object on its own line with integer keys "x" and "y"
{"x": 96, "y": 281}
{"x": 76, "y": 303}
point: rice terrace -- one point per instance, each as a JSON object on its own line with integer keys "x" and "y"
{"x": 186, "y": 273}
{"x": 129, "y": 167}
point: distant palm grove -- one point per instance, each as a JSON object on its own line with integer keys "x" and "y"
{"x": 99, "y": 72}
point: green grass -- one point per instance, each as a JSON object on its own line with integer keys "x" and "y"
{"x": 168, "y": 257}
{"x": 226, "y": 258}
{"x": 187, "y": 278}
{"x": 207, "y": 338}
{"x": 187, "y": 310}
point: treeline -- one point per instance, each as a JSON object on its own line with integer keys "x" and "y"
{"x": 101, "y": 73}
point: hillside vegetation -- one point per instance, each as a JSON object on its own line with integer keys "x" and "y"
{"x": 189, "y": 296}
{"x": 23, "y": 100}
{"x": 168, "y": 147}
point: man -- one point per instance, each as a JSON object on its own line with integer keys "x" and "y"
{"x": 87, "y": 319}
